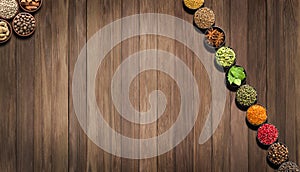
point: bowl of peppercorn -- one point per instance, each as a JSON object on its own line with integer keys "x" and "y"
{"x": 24, "y": 24}
{"x": 277, "y": 154}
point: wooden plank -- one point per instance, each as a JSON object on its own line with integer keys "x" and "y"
{"x": 148, "y": 82}
{"x": 166, "y": 162}
{"x": 42, "y": 90}
{"x": 239, "y": 131}
{"x": 8, "y": 107}
{"x": 77, "y": 38}
{"x": 256, "y": 63}
{"x": 221, "y": 152}
{"x": 185, "y": 150}
{"x": 59, "y": 86}
{"x": 297, "y": 83}
{"x": 291, "y": 28}
{"x": 25, "y": 103}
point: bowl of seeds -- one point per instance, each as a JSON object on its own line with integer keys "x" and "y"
{"x": 193, "y": 4}
{"x": 5, "y": 31}
{"x": 204, "y": 18}
{"x": 289, "y": 167}
{"x": 256, "y": 115}
{"x": 277, "y": 154}
{"x": 24, "y": 24}
{"x": 267, "y": 134}
{"x": 8, "y": 9}
{"x": 30, "y": 6}
{"x": 225, "y": 57}
{"x": 215, "y": 37}
{"x": 246, "y": 96}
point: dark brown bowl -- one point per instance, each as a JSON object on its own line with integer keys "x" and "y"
{"x": 220, "y": 30}
{"x": 253, "y": 125}
{"x": 13, "y": 25}
{"x": 30, "y": 11}
{"x": 267, "y": 145}
{"x": 233, "y": 86}
{"x": 10, "y": 30}
{"x": 1, "y": 17}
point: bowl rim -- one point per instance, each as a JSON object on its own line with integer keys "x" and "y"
{"x": 26, "y": 34}
{"x": 32, "y": 11}
{"x": 10, "y": 29}
{"x": 1, "y": 17}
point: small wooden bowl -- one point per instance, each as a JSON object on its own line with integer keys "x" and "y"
{"x": 30, "y": 11}
{"x": 13, "y": 25}
{"x": 10, "y": 30}
{"x": 1, "y": 17}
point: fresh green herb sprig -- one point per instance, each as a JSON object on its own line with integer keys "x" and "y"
{"x": 236, "y": 75}
{"x": 225, "y": 56}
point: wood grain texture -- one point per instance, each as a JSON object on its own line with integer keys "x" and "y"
{"x": 39, "y": 130}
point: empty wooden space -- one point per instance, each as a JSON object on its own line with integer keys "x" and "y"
{"x": 39, "y": 130}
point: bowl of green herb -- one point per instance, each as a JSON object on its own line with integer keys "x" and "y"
{"x": 225, "y": 57}
{"x": 235, "y": 77}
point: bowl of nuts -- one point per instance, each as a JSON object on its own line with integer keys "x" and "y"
{"x": 5, "y": 31}
{"x": 8, "y": 9}
{"x": 24, "y": 24}
{"x": 30, "y": 6}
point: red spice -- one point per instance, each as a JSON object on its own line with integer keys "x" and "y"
{"x": 267, "y": 134}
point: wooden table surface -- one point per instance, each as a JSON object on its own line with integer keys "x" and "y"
{"x": 39, "y": 130}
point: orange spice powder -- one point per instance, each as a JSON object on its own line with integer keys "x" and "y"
{"x": 256, "y": 115}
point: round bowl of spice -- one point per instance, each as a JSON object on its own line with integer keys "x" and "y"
{"x": 24, "y": 24}
{"x": 267, "y": 134}
{"x": 8, "y": 9}
{"x": 215, "y": 37}
{"x": 256, "y": 115}
{"x": 30, "y": 6}
{"x": 5, "y": 31}
{"x": 289, "y": 167}
{"x": 204, "y": 18}
{"x": 246, "y": 96}
{"x": 235, "y": 77}
{"x": 225, "y": 57}
{"x": 277, "y": 154}
{"x": 193, "y": 4}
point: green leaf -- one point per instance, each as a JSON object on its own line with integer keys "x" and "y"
{"x": 237, "y": 82}
{"x": 238, "y": 74}
{"x": 230, "y": 78}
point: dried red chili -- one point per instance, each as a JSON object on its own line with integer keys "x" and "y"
{"x": 267, "y": 134}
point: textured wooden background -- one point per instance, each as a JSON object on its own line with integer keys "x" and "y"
{"x": 40, "y": 132}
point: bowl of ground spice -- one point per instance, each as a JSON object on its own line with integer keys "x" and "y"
{"x": 215, "y": 37}
{"x": 256, "y": 115}
{"x": 267, "y": 134}
{"x": 8, "y": 9}
{"x": 5, "y": 31}
{"x": 277, "y": 154}
{"x": 204, "y": 18}
{"x": 24, "y": 24}
{"x": 193, "y": 4}
{"x": 289, "y": 167}
{"x": 30, "y": 6}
